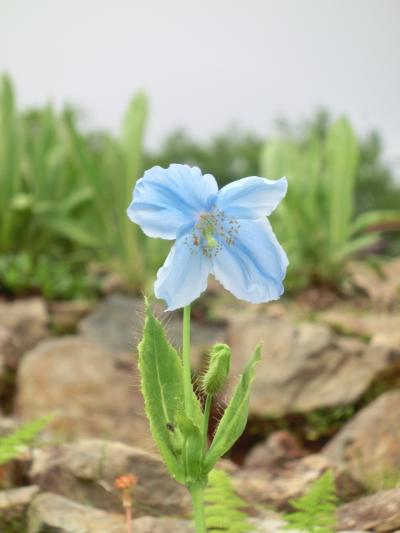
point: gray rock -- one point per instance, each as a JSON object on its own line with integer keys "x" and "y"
{"x": 278, "y": 448}
{"x": 304, "y": 367}
{"x": 378, "y": 512}
{"x": 149, "y": 524}
{"x": 92, "y": 392}
{"x": 49, "y": 512}
{"x": 26, "y": 322}
{"x": 275, "y": 485}
{"x": 368, "y": 445}
{"x": 85, "y": 472}
{"x": 116, "y": 324}
{"x": 13, "y": 507}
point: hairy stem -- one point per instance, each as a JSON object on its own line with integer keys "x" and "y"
{"x": 187, "y": 375}
{"x": 197, "y": 492}
{"x": 207, "y": 409}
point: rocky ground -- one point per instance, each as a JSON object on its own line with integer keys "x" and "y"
{"x": 326, "y": 395}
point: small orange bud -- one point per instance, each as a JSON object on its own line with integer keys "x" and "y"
{"x": 126, "y": 481}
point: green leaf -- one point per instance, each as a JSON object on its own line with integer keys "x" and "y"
{"x": 376, "y": 218}
{"x": 193, "y": 444}
{"x": 162, "y": 387}
{"x": 234, "y": 419}
{"x": 341, "y": 166}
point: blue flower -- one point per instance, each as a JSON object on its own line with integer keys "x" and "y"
{"x": 224, "y": 233}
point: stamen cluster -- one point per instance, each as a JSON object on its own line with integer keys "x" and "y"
{"x": 212, "y": 230}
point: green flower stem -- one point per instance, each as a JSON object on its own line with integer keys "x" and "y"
{"x": 207, "y": 409}
{"x": 187, "y": 374}
{"x": 197, "y": 492}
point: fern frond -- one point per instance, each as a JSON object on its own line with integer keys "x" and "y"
{"x": 12, "y": 445}
{"x": 223, "y": 506}
{"x": 315, "y": 510}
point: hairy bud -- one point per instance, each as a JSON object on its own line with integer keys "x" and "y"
{"x": 215, "y": 378}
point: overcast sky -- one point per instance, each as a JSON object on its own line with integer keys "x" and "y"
{"x": 209, "y": 63}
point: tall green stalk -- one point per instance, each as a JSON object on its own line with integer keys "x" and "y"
{"x": 196, "y": 490}
{"x": 187, "y": 375}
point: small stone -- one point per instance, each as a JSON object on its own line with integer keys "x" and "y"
{"x": 27, "y": 322}
{"x": 13, "y": 507}
{"x": 278, "y": 448}
{"x": 378, "y": 512}
{"x": 65, "y": 316}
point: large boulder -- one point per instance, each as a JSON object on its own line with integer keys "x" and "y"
{"x": 368, "y": 446}
{"x": 304, "y": 366}
{"x": 91, "y": 391}
{"x": 85, "y": 472}
{"x": 378, "y": 512}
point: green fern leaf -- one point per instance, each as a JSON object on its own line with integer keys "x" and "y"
{"x": 12, "y": 445}
{"x": 315, "y": 510}
{"x": 223, "y": 506}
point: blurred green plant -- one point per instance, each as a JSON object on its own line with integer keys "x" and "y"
{"x": 315, "y": 510}
{"x": 318, "y": 224}
{"x": 64, "y": 194}
{"x": 224, "y": 508}
{"x": 230, "y": 155}
{"x": 12, "y": 445}
{"x": 22, "y": 275}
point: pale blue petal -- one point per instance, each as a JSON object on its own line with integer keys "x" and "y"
{"x": 184, "y": 275}
{"x": 251, "y": 197}
{"x": 164, "y": 200}
{"x": 254, "y": 266}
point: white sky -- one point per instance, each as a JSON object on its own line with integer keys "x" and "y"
{"x": 209, "y": 63}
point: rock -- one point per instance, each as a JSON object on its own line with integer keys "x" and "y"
{"x": 275, "y": 485}
{"x": 13, "y": 507}
{"x": 65, "y": 316}
{"x": 117, "y": 325}
{"x": 26, "y": 321}
{"x": 383, "y": 329}
{"x": 381, "y": 286}
{"x": 313, "y": 366}
{"x": 278, "y": 448}
{"x": 149, "y": 524}
{"x": 49, "y": 512}
{"x": 92, "y": 392}
{"x": 7, "y": 425}
{"x": 378, "y": 512}
{"x": 368, "y": 446}
{"x": 85, "y": 472}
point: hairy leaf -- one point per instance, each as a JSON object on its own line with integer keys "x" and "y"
{"x": 234, "y": 419}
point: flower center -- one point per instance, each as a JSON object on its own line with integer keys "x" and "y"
{"x": 211, "y": 232}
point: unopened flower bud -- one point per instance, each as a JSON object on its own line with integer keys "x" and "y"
{"x": 218, "y": 369}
